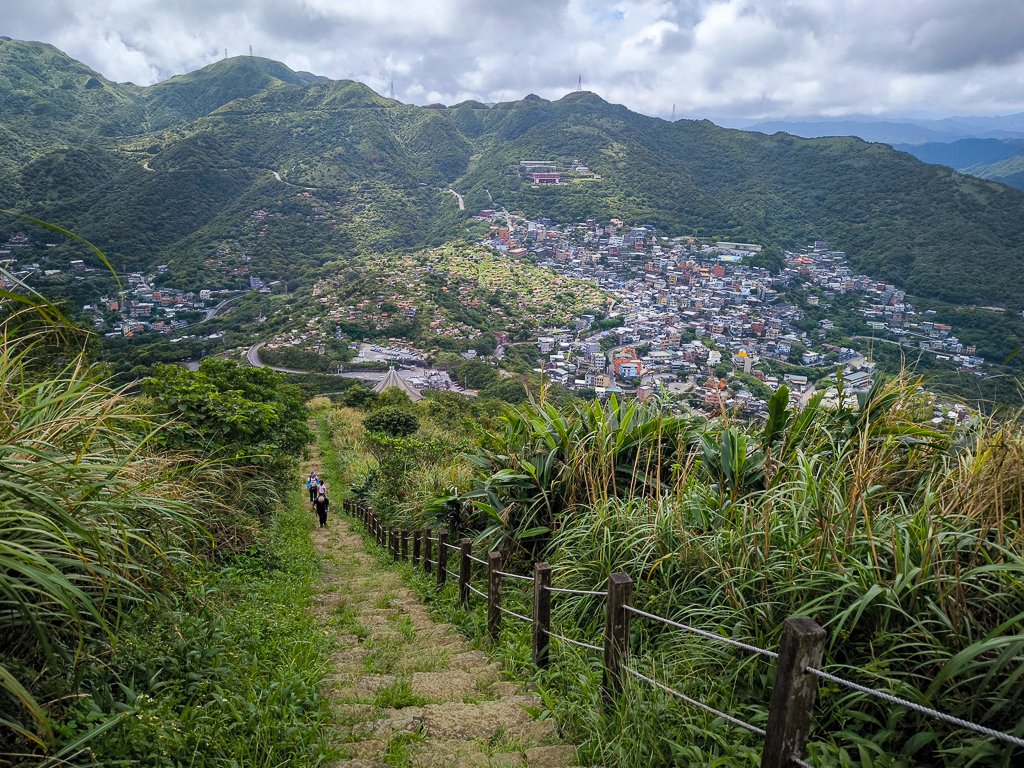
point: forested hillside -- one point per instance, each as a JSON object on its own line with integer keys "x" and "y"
{"x": 160, "y": 174}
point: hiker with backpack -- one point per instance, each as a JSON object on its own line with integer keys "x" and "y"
{"x": 322, "y": 504}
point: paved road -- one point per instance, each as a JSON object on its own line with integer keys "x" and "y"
{"x": 285, "y": 181}
{"x": 214, "y": 311}
{"x": 907, "y": 345}
{"x": 462, "y": 203}
{"x": 253, "y": 356}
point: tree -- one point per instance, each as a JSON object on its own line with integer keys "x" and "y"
{"x": 358, "y": 396}
{"x": 391, "y": 421}
{"x": 243, "y": 415}
{"x": 509, "y": 390}
{"x": 474, "y": 374}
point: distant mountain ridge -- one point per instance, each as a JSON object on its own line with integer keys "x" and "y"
{"x": 166, "y": 174}
{"x": 898, "y": 131}
{"x": 995, "y": 159}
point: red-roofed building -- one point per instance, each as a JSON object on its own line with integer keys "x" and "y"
{"x": 546, "y": 179}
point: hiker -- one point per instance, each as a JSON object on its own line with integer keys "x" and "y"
{"x": 321, "y": 487}
{"x": 321, "y": 504}
{"x": 312, "y": 483}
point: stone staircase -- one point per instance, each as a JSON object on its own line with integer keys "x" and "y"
{"x": 409, "y": 692}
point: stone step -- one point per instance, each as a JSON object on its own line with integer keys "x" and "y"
{"x": 462, "y": 713}
{"x": 506, "y": 718}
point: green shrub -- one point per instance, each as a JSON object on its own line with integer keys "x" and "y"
{"x": 393, "y": 422}
{"x": 358, "y": 396}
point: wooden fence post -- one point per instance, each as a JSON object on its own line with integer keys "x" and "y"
{"x": 616, "y": 633}
{"x": 405, "y": 545}
{"x": 541, "y": 614}
{"x": 394, "y": 543}
{"x": 493, "y": 595}
{"x": 789, "y": 716}
{"x": 416, "y": 546}
{"x": 442, "y": 557}
{"x": 427, "y": 547}
{"x": 465, "y": 570}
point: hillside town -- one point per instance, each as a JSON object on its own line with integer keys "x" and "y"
{"x": 140, "y": 307}
{"x": 704, "y": 322}
{"x": 700, "y": 320}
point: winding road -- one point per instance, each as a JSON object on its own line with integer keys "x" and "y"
{"x": 214, "y": 311}
{"x": 462, "y": 203}
{"x": 253, "y": 356}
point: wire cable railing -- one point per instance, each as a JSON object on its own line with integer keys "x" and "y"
{"x": 577, "y": 643}
{"x": 703, "y": 633}
{"x": 521, "y": 617}
{"x": 565, "y": 591}
{"x": 619, "y": 597}
{"x": 694, "y": 703}
{"x": 889, "y": 698}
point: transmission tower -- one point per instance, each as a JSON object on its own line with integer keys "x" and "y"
{"x": 673, "y": 113}
{"x": 391, "y": 89}
{"x": 250, "y": 49}
{"x": 579, "y": 84}
{"x": 225, "y": 53}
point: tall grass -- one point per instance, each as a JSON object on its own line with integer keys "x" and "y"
{"x": 96, "y": 519}
{"x": 906, "y": 543}
{"x": 89, "y": 516}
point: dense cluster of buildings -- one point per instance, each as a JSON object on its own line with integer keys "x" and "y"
{"x": 701, "y": 320}
{"x": 140, "y": 307}
{"x": 887, "y": 313}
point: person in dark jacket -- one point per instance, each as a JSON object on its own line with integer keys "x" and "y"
{"x": 321, "y": 504}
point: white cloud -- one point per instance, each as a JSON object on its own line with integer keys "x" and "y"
{"x": 721, "y": 57}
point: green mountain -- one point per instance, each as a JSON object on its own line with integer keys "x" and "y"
{"x": 171, "y": 173}
{"x": 186, "y": 97}
{"x": 1009, "y": 171}
{"x": 993, "y": 159}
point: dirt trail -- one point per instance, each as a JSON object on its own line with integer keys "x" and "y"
{"x": 407, "y": 691}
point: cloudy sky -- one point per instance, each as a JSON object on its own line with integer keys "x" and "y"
{"x": 753, "y": 58}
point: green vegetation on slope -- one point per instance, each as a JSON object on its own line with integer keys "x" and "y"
{"x": 898, "y": 218}
{"x": 905, "y": 543}
{"x": 152, "y": 580}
